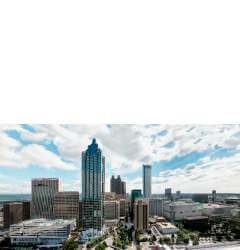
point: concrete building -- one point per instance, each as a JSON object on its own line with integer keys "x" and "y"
{"x": 43, "y": 192}
{"x": 147, "y": 181}
{"x": 176, "y": 211}
{"x": 214, "y": 196}
{"x": 155, "y": 207}
{"x": 26, "y": 210}
{"x": 140, "y": 213}
{"x": 111, "y": 210}
{"x": 110, "y": 196}
{"x": 135, "y": 194}
{"x": 123, "y": 207}
{"x": 167, "y": 228}
{"x": 217, "y": 210}
{"x": 118, "y": 186}
{"x": 66, "y": 205}
{"x": 93, "y": 180}
{"x": 42, "y": 232}
{"x": 168, "y": 193}
{"x": 12, "y": 213}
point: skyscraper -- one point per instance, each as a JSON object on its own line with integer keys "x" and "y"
{"x": 93, "y": 179}
{"x": 214, "y": 196}
{"x": 118, "y": 186}
{"x": 168, "y": 193}
{"x": 43, "y": 192}
{"x": 140, "y": 210}
{"x": 147, "y": 181}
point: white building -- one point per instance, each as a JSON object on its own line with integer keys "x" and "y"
{"x": 217, "y": 209}
{"x": 176, "y": 211}
{"x": 147, "y": 181}
{"x": 41, "y": 231}
{"x": 167, "y": 228}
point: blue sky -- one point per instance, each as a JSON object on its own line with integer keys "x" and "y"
{"x": 190, "y": 158}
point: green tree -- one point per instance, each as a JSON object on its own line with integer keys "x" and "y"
{"x": 70, "y": 245}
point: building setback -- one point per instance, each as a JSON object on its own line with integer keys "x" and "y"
{"x": 43, "y": 192}
{"x": 140, "y": 210}
{"x": 66, "y": 205}
{"x": 93, "y": 176}
{"x": 147, "y": 181}
{"x": 12, "y": 213}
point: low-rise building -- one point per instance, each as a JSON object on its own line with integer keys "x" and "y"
{"x": 167, "y": 228}
{"x": 217, "y": 210}
{"x": 41, "y": 232}
{"x": 176, "y": 211}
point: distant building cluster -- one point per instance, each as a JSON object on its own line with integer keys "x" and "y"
{"x": 52, "y": 213}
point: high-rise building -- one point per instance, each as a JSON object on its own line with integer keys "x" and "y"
{"x": 66, "y": 205}
{"x": 178, "y": 194}
{"x": 43, "y": 192}
{"x": 214, "y": 196}
{"x": 80, "y": 218}
{"x": 123, "y": 207}
{"x": 135, "y": 194}
{"x": 168, "y": 193}
{"x": 12, "y": 213}
{"x": 93, "y": 170}
{"x": 147, "y": 181}
{"x": 118, "y": 186}
{"x": 26, "y": 210}
{"x": 111, "y": 210}
{"x": 140, "y": 209}
{"x": 155, "y": 207}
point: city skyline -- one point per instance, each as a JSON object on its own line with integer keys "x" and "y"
{"x": 206, "y": 157}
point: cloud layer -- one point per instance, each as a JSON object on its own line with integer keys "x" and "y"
{"x": 185, "y": 157}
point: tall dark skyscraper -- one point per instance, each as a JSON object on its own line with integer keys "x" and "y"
{"x": 118, "y": 186}
{"x": 93, "y": 180}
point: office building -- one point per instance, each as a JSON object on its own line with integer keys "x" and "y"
{"x": 135, "y": 194}
{"x": 111, "y": 210}
{"x": 155, "y": 207}
{"x": 168, "y": 193}
{"x": 26, "y": 210}
{"x": 214, "y": 196}
{"x": 123, "y": 207}
{"x": 118, "y": 186}
{"x": 93, "y": 179}
{"x": 43, "y": 192}
{"x": 80, "y": 217}
{"x": 37, "y": 232}
{"x": 66, "y": 205}
{"x": 12, "y": 213}
{"x": 147, "y": 181}
{"x": 178, "y": 195}
{"x": 140, "y": 210}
